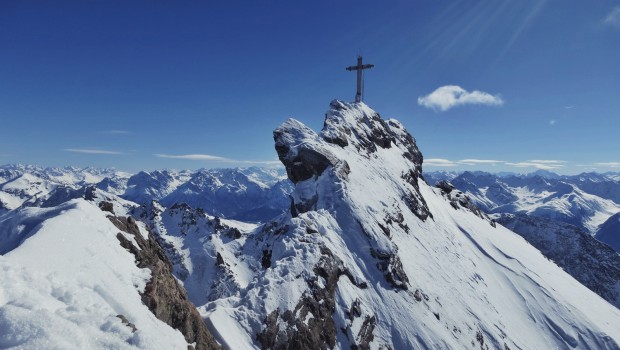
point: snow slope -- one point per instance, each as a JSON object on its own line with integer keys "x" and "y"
{"x": 371, "y": 257}
{"x": 63, "y": 286}
{"x": 591, "y": 262}
{"x": 192, "y": 240}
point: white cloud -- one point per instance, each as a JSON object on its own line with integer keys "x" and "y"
{"x": 543, "y": 164}
{"x": 266, "y": 162}
{"x": 192, "y": 157}
{"x": 548, "y": 161}
{"x": 479, "y": 161}
{"x": 613, "y": 18}
{"x": 539, "y": 165}
{"x": 609, "y": 164}
{"x": 90, "y": 151}
{"x": 439, "y": 162}
{"x": 449, "y": 96}
{"x": 209, "y": 157}
{"x": 552, "y": 122}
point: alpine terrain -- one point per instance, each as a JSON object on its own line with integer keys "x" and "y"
{"x": 353, "y": 251}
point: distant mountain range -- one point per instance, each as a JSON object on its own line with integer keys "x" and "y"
{"x": 589, "y": 201}
{"x": 351, "y": 250}
{"x": 248, "y": 194}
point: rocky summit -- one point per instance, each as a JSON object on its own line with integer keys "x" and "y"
{"x": 358, "y": 252}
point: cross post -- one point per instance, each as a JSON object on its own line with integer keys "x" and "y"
{"x": 359, "y": 68}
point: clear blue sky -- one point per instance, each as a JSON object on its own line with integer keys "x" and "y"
{"x": 135, "y": 79}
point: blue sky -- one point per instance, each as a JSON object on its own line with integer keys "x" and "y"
{"x": 492, "y": 85}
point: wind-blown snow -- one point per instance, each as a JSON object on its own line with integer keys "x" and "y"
{"x": 63, "y": 287}
{"x": 468, "y": 283}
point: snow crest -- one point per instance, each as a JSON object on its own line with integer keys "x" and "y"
{"x": 371, "y": 257}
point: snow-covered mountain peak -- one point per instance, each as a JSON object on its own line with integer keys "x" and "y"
{"x": 355, "y": 146}
{"x": 417, "y": 272}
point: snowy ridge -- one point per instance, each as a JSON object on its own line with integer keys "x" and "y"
{"x": 69, "y": 297}
{"x": 192, "y": 240}
{"x": 366, "y": 255}
{"x": 372, "y": 257}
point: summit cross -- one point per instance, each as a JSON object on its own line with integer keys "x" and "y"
{"x": 359, "y": 68}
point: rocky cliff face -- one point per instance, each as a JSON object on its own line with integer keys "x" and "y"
{"x": 359, "y": 132}
{"x": 163, "y": 295}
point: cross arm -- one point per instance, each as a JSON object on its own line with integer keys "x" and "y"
{"x": 364, "y": 66}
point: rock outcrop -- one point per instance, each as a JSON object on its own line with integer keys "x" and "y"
{"x": 163, "y": 295}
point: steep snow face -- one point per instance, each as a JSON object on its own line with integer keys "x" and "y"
{"x": 609, "y": 232}
{"x": 591, "y": 262}
{"x": 67, "y": 283}
{"x": 372, "y": 257}
{"x": 197, "y": 245}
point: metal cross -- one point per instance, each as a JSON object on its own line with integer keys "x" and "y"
{"x": 359, "y": 68}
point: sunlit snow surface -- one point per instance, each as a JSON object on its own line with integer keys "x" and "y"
{"x": 64, "y": 277}
{"x": 477, "y": 278}
{"x": 64, "y": 286}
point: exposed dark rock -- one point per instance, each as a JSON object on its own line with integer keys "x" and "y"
{"x": 480, "y": 339}
{"x": 355, "y": 310}
{"x": 266, "y": 260}
{"x": 306, "y": 206}
{"x": 397, "y": 218}
{"x": 459, "y": 200}
{"x": 267, "y": 338}
{"x": 372, "y": 131}
{"x": 305, "y": 164}
{"x": 106, "y": 206}
{"x": 445, "y": 186}
{"x": 365, "y": 335}
{"x": 417, "y": 295}
{"x": 225, "y": 230}
{"x": 219, "y": 259}
{"x": 414, "y": 200}
{"x": 127, "y": 323}
{"x": 385, "y": 229}
{"x": 392, "y": 267}
{"x": 289, "y": 331}
{"x": 163, "y": 295}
